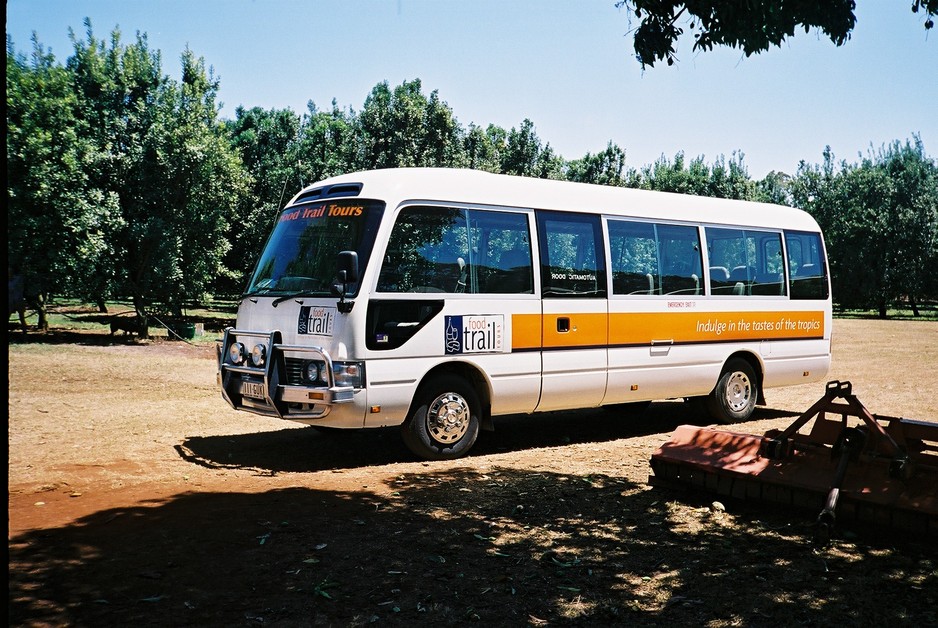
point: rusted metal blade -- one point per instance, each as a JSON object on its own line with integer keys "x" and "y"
{"x": 729, "y": 463}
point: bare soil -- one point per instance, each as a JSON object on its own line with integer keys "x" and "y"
{"x": 138, "y": 497}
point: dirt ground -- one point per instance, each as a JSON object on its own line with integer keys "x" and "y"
{"x": 138, "y": 497}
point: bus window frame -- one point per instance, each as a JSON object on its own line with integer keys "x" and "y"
{"x": 469, "y": 213}
{"x": 759, "y": 235}
{"x": 657, "y": 290}
{"x": 600, "y": 249}
{"x": 819, "y": 253}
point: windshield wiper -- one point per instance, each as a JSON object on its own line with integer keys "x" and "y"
{"x": 287, "y": 297}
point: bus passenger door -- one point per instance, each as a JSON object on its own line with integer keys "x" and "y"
{"x": 574, "y": 306}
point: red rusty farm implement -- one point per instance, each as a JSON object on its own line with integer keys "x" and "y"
{"x": 849, "y": 465}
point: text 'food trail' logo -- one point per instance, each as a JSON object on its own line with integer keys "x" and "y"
{"x": 474, "y": 334}
{"x": 316, "y": 320}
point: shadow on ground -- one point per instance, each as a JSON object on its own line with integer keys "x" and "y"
{"x": 455, "y": 547}
{"x": 313, "y": 449}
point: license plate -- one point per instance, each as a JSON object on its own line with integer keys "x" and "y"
{"x": 253, "y": 389}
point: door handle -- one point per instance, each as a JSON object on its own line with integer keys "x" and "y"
{"x": 661, "y": 347}
{"x": 563, "y": 324}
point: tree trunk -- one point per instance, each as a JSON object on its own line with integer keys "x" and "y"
{"x": 140, "y": 309}
{"x": 43, "y": 323}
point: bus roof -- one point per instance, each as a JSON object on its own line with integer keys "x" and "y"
{"x": 477, "y": 187}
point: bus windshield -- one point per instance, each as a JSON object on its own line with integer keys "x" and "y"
{"x": 300, "y": 256}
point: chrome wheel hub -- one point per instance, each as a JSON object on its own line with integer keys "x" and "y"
{"x": 448, "y": 418}
{"x": 738, "y": 391}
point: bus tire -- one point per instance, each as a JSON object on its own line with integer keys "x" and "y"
{"x": 734, "y": 397}
{"x": 444, "y": 422}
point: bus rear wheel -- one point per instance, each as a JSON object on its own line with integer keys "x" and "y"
{"x": 734, "y": 397}
{"x": 444, "y": 420}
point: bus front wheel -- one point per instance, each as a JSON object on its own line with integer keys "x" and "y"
{"x": 734, "y": 398}
{"x": 444, "y": 422}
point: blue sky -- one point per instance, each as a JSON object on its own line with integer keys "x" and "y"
{"x": 567, "y": 65}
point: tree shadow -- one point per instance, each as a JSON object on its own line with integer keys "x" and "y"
{"x": 455, "y": 547}
{"x": 55, "y": 336}
{"x": 102, "y": 337}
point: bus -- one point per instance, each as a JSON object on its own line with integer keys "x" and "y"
{"x": 438, "y": 299}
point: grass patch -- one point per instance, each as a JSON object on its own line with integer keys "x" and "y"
{"x": 926, "y": 313}
{"x": 72, "y": 315}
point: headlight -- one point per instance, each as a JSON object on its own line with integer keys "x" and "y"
{"x": 236, "y": 353}
{"x": 349, "y": 374}
{"x": 258, "y": 355}
{"x": 314, "y": 372}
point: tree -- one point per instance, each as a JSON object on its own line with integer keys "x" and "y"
{"x": 603, "y": 168}
{"x": 522, "y": 155}
{"x": 697, "y": 178}
{"x": 774, "y": 188}
{"x": 482, "y": 147}
{"x": 751, "y": 25}
{"x": 327, "y": 144}
{"x": 58, "y": 219}
{"x": 880, "y": 219}
{"x": 731, "y": 180}
{"x": 914, "y": 232}
{"x": 189, "y": 179}
{"x": 158, "y": 152}
{"x": 267, "y": 144}
{"x": 442, "y": 143}
{"x": 404, "y": 128}
{"x": 117, "y": 90}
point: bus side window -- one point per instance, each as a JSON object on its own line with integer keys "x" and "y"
{"x": 427, "y": 252}
{"x": 572, "y": 263}
{"x": 504, "y": 242}
{"x": 634, "y": 263}
{"x": 679, "y": 252}
{"x": 730, "y": 261}
{"x": 769, "y": 277}
{"x": 450, "y": 250}
{"x": 745, "y": 262}
{"x": 806, "y": 266}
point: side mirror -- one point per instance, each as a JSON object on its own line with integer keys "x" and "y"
{"x": 347, "y": 261}
{"x": 346, "y": 273}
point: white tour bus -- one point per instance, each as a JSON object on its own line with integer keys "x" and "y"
{"x": 436, "y": 299}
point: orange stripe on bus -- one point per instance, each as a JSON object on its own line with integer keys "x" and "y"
{"x": 534, "y": 331}
{"x": 642, "y": 328}
{"x": 583, "y": 330}
{"x": 525, "y": 331}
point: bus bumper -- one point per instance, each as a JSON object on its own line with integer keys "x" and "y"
{"x": 258, "y": 373}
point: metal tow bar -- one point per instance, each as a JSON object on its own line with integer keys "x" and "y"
{"x": 849, "y": 445}
{"x": 847, "y": 449}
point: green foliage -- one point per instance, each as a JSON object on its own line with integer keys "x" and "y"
{"x": 267, "y": 144}
{"x": 483, "y": 148}
{"x": 720, "y": 180}
{"x": 123, "y": 182}
{"x": 120, "y": 179}
{"x": 192, "y": 177}
{"x": 604, "y": 168}
{"x": 753, "y": 26}
{"x": 774, "y": 188}
{"x": 404, "y": 128}
{"x": 58, "y": 218}
{"x": 880, "y": 218}
{"x": 161, "y": 154}
{"x": 524, "y": 156}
